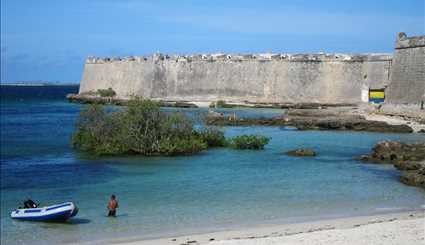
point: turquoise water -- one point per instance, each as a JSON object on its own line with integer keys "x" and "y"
{"x": 215, "y": 190}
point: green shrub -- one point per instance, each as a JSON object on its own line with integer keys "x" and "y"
{"x": 98, "y": 132}
{"x": 221, "y": 104}
{"x": 181, "y": 146}
{"x": 141, "y": 128}
{"x": 106, "y": 92}
{"x": 254, "y": 142}
{"x": 213, "y": 137}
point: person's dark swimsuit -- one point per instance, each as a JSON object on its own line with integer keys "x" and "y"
{"x": 112, "y": 206}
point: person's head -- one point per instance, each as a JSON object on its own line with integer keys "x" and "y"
{"x": 113, "y": 197}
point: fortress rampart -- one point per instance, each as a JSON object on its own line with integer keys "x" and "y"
{"x": 262, "y": 78}
{"x": 408, "y": 71}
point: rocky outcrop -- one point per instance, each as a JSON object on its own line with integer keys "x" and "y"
{"x": 94, "y": 99}
{"x": 408, "y": 158}
{"x": 408, "y": 165}
{"x": 414, "y": 177}
{"x": 303, "y": 152}
{"x": 343, "y": 123}
{"x": 312, "y": 120}
{"x": 251, "y": 104}
{"x": 396, "y": 152}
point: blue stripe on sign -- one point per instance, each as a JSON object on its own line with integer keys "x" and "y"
{"x": 32, "y": 211}
{"x": 59, "y": 206}
{"x": 376, "y": 100}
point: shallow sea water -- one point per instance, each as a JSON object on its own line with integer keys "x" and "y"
{"x": 159, "y": 196}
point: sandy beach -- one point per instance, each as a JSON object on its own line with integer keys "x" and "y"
{"x": 394, "y": 228}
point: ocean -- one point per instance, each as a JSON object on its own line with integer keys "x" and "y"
{"x": 215, "y": 190}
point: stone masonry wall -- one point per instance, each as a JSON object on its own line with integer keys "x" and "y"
{"x": 408, "y": 71}
{"x": 280, "y": 78}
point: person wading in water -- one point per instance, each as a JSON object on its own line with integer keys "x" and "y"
{"x": 112, "y": 206}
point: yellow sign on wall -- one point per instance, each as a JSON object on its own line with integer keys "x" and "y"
{"x": 377, "y": 94}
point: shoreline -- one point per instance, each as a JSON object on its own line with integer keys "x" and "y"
{"x": 278, "y": 233}
{"x": 304, "y": 116}
{"x": 93, "y": 98}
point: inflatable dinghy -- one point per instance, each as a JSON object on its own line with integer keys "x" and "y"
{"x": 58, "y": 212}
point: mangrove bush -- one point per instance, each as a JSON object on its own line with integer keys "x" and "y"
{"x": 142, "y": 128}
{"x": 253, "y": 142}
{"x": 213, "y": 137}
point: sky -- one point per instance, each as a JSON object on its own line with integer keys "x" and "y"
{"x": 49, "y": 40}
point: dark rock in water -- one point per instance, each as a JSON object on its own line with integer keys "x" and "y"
{"x": 409, "y": 158}
{"x": 302, "y": 153}
{"x": 414, "y": 178}
{"x": 421, "y": 131}
{"x": 396, "y": 152}
{"x": 313, "y": 120}
{"x": 93, "y": 99}
{"x": 409, "y": 165}
{"x": 364, "y": 158}
{"x": 214, "y": 114}
{"x": 179, "y": 104}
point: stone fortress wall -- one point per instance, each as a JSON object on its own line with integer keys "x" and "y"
{"x": 408, "y": 71}
{"x": 262, "y": 78}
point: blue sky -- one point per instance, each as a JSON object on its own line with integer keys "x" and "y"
{"x": 49, "y": 40}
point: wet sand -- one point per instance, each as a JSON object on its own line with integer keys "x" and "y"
{"x": 394, "y": 228}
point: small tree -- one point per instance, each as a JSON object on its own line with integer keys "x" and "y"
{"x": 213, "y": 137}
{"x": 221, "y": 104}
{"x": 142, "y": 128}
{"x": 97, "y": 131}
{"x": 254, "y": 142}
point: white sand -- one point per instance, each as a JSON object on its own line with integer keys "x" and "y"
{"x": 410, "y": 115}
{"x": 394, "y": 120}
{"x": 396, "y": 228}
{"x": 387, "y": 233}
